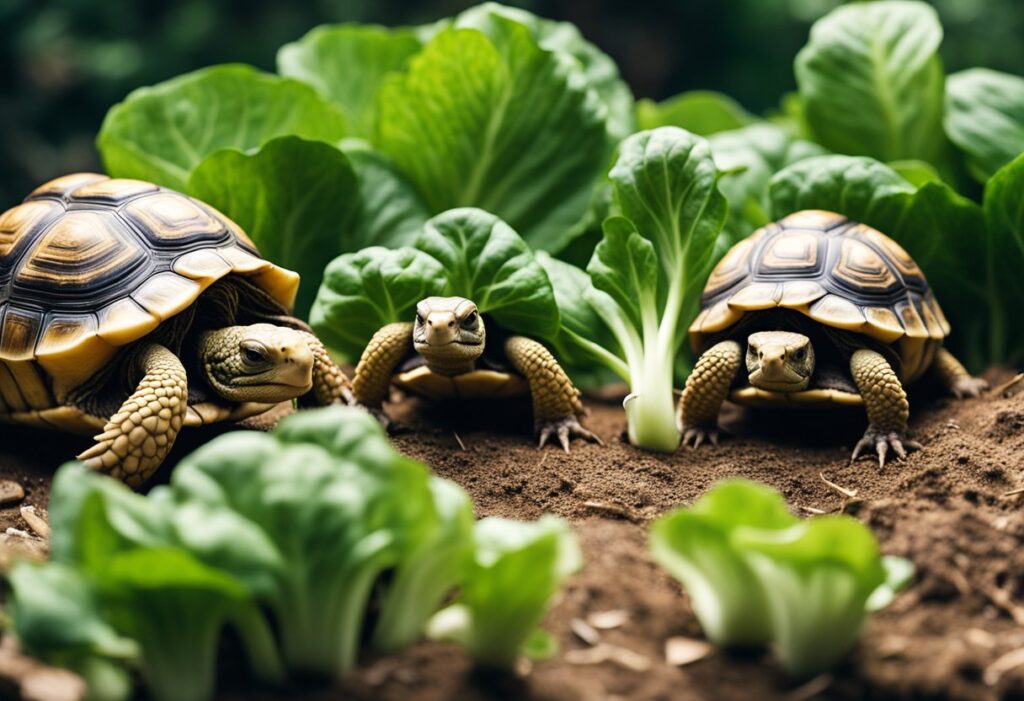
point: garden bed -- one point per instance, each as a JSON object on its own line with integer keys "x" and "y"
{"x": 944, "y": 508}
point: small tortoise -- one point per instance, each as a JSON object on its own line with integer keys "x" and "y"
{"x": 131, "y": 310}
{"x": 820, "y": 309}
{"x": 442, "y": 356}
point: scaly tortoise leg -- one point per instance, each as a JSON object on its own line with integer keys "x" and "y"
{"x": 706, "y": 388}
{"x": 377, "y": 365}
{"x": 138, "y": 437}
{"x": 886, "y": 404}
{"x": 556, "y": 402}
{"x": 330, "y": 386}
{"x": 955, "y": 378}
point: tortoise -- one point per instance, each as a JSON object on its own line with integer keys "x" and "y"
{"x": 820, "y": 310}
{"x": 441, "y": 355}
{"x": 128, "y": 310}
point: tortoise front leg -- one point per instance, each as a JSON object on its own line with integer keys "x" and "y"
{"x": 377, "y": 365}
{"x": 330, "y": 386}
{"x": 706, "y": 388}
{"x": 556, "y": 402}
{"x": 955, "y": 378}
{"x": 138, "y": 437}
{"x": 887, "y": 406}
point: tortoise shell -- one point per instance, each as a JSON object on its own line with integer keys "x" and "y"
{"x": 836, "y": 271}
{"x": 89, "y": 264}
{"x": 477, "y": 384}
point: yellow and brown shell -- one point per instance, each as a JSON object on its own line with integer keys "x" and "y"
{"x": 89, "y": 264}
{"x": 838, "y": 272}
{"x": 476, "y": 384}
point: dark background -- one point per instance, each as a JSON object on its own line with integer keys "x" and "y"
{"x": 64, "y": 62}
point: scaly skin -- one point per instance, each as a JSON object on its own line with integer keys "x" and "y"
{"x": 556, "y": 402}
{"x": 330, "y": 385}
{"x": 138, "y": 437}
{"x": 955, "y": 378}
{"x": 706, "y": 389}
{"x": 886, "y": 404}
{"x": 377, "y": 365}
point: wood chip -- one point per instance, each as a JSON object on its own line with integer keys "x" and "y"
{"x": 21, "y": 546}
{"x": 604, "y": 652}
{"x": 680, "y": 651}
{"x": 11, "y": 492}
{"x": 584, "y": 631}
{"x": 980, "y": 638}
{"x": 1013, "y": 387}
{"x": 36, "y": 521}
{"x": 607, "y": 620}
{"x": 458, "y": 439}
{"x": 995, "y": 671}
{"x": 1014, "y": 492}
{"x": 845, "y": 491}
{"x": 34, "y": 680}
{"x": 811, "y": 510}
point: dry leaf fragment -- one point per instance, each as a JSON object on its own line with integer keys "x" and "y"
{"x": 606, "y": 620}
{"x": 603, "y": 652}
{"x": 36, "y": 522}
{"x": 584, "y": 631}
{"x": 680, "y": 651}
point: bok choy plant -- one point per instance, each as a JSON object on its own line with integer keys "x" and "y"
{"x": 758, "y": 575}
{"x": 647, "y": 272}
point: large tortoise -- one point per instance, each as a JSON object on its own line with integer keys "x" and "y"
{"x": 131, "y": 310}
{"x": 445, "y": 354}
{"x": 820, "y": 309}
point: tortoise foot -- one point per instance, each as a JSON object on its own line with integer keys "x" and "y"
{"x": 694, "y": 435}
{"x": 883, "y": 442}
{"x": 967, "y": 386}
{"x": 564, "y": 430}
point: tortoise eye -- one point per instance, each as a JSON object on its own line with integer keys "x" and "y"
{"x": 470, "y": 321}
{"x": 419, "y": 319}
{"x": 253, "y": 354}
{"x": 800, "y": 354}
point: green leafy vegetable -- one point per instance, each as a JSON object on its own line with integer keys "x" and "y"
{"x": 502, "y": 125}
{"x": 695, "y": 545}
{"x": 297, "y": 221}
{"x": 985, "y": 118}
{"x": 872, "y": 82}
{"x": 748, "y": 158}
{"x": 648, "y": 270}
{"x": 346, "y": 63}
{"x": 1004, "y": 259}
{"x": 757, "y": 575}
{"x": 702, "y": 112}
{"x": 161, "y": 133}
{"x": 392, "y": 213}
{"x": 516, "y": 570}
{"x": 364, "y": 291}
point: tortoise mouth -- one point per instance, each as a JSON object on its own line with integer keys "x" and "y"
{"x": 792, "y": 382}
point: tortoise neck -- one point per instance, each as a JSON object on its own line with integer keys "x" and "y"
{"x": 449, "y": 366}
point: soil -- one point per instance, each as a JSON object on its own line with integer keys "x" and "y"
{"x": 956, "y": 633}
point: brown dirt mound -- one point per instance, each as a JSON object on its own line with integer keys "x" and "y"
{"x": 956, "y": 633}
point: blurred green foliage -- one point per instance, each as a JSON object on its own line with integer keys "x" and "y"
{"x": 63, "y": 63}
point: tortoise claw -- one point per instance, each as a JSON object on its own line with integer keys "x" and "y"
{"x": 883, "y": 442}
{"x": 564, "y": 430}
{"x": 695, "y": 436}
{"x": 967, "y": 386}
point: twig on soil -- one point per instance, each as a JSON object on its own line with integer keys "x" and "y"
{"x": 458, "y": 440}
{"x": 584, "y": 631}
{"x": 849, "y": 493}
{"x": 1013, "y": 387}
{"x": 609, "y": 508}
{"x": 811, "y": 688}
{"x": 1001, "y": 598}
{"x": 811, "y": 510}
{"x": 995, "y": 671}
{"x": 1013, "y": 492}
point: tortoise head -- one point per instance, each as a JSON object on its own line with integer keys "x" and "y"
{"x": 779, "y": 361}
{"x": 257, "y": 363}
{"x": 448, "y": 331}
